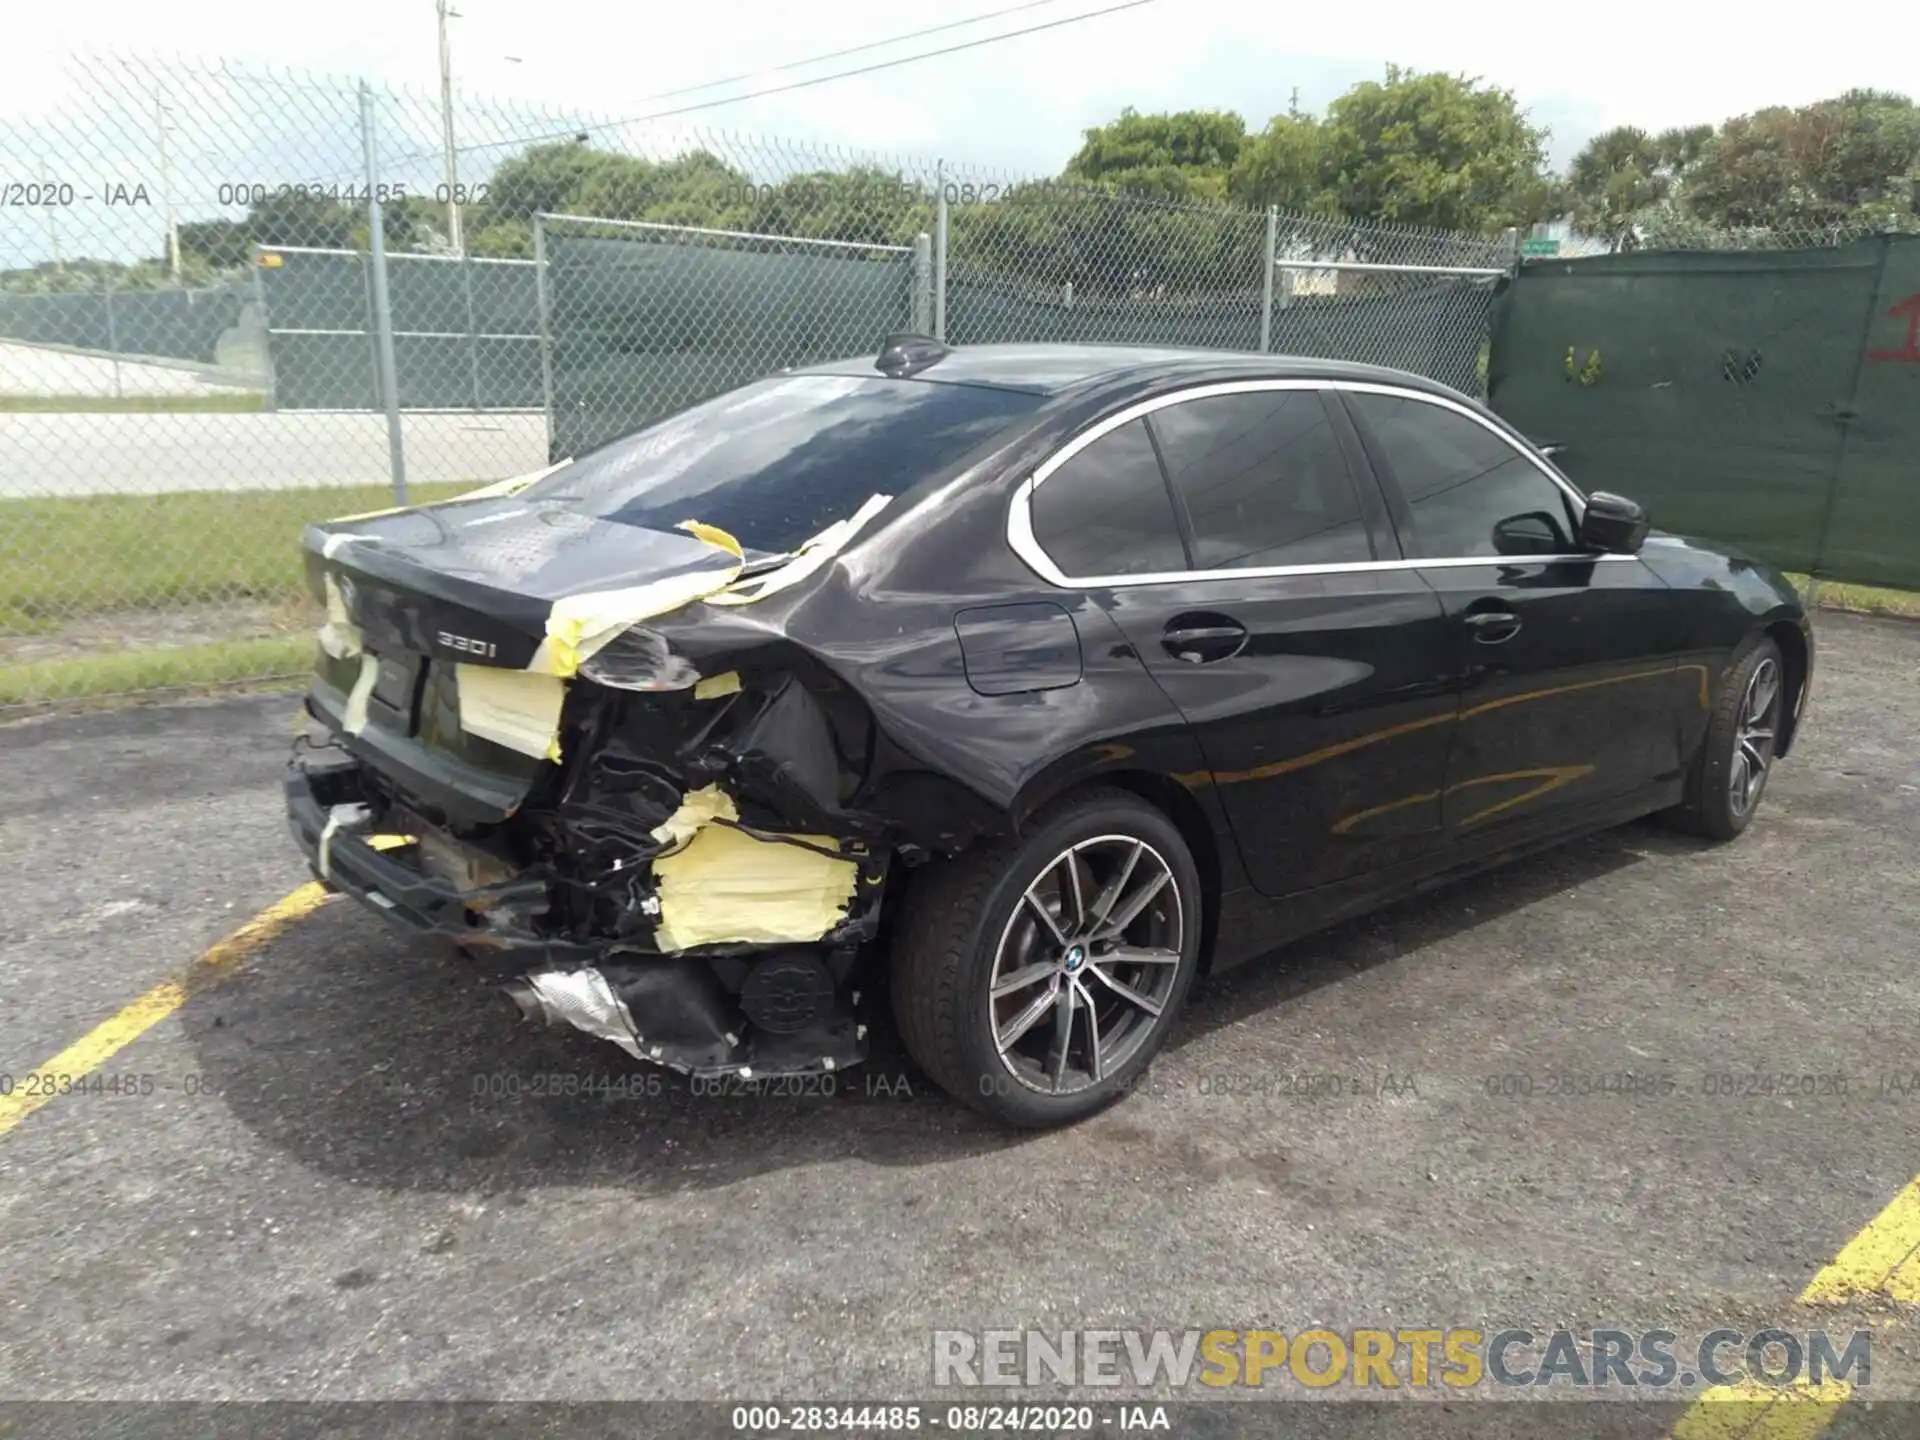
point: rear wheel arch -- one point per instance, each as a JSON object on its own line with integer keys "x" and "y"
{"x": 1171, "y": 799}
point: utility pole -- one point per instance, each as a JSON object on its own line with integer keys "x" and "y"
{"x": 166, "y": 188}
{"x": 452, "y": 163}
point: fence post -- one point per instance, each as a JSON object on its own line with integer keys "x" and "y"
{"x": 382, "y": 304}
{"x": 1266, "y": 281}
{"x": 940, "y": 252}
{"x": 113, "y": 334}
{"x": 544, "y": 302}
{"x": 473, "y": 327}
{"x": 923, "y": 283}
{"x": 259, "y": 285}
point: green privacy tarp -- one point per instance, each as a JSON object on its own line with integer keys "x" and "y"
{"x": 1433, "y": 329}
{"x": 642, "y": 328}
{"x": 1736, "y": 394}
{"x": 465, "y": 331}
{"x": 165, "y": 324}
{"x": 1873, "y": 529}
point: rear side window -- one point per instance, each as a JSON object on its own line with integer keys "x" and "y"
{"x": 1471, "y": 492}
{"x": 1106, "y": 510}
{"x": 1263, "y": 480}
{"x": 778, "y": 461}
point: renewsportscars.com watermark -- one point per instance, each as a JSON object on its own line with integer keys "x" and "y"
{"x": 1402, "y": 1357}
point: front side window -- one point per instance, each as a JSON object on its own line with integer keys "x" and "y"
{"x": 1470, "y": 491}
{"x": 1263, "y": 480}
{"x": 1105, "y": 511}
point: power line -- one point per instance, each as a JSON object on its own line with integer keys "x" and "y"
{"x": 850, "y": 50}
{"x": 805, "y": 84}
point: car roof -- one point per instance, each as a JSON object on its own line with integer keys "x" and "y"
{"x": 1042, "y": 369}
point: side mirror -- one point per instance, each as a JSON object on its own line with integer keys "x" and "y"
{"x": 1613, "y": 523}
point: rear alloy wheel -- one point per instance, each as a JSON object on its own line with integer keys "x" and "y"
{"x": 1034, "y": 979}
{"x": 1730, "y": 774}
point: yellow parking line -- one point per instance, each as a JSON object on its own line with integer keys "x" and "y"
{"x": 114, "y": 1034}
{"x": 1882, "y": 1260}
{"x": 1753, "y": 1411}
{"x": 1873, "y": 1262}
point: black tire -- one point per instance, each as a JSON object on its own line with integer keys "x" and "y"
{"x": 958, "y": 913}
{"x": 1710, "y": 807}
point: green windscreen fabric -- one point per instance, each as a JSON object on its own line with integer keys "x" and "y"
{"x": 166, "y": 324}
{"x": 643, "y": 328}
{"x": 1766, "y": 398}
{"x": 1873, "y": 531}
{"x": 466, "y": 333}
{"x": 1432, "y": 329}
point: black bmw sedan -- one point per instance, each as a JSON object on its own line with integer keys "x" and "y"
{"x": 1019, "y": 684}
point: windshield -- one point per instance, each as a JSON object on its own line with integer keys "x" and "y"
{"x": 777, "y": 462}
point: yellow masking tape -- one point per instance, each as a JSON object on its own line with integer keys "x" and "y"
{"x": 697, "y": 808}
{"x": 512, "y": 485}
{"x": 714, "y": 535}
{"x": 580, "y": 625}
{"x": 514, "y": 708}
{"x": 339, "y": 637}
{"x": 499, "y": 489}
{"x": 712, "y": 687}
{"x": 355, "y": 717}
{"x": 811, "y": 556}
{"x": 728, "y": 887}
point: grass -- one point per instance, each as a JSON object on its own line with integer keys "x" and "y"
{"x": 195, "y": 667}
{"x": 1872, "y": 599}
{"x": 60, "y": 559}
{"x": 238, "y": 402}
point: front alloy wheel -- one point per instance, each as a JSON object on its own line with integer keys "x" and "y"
{"x": 1759, "y": 718}
{"x": 1730, "y": 769}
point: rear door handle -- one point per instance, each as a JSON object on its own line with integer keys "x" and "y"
{"x": 1490, "y": 627}
{"x": 1220, "y": 638}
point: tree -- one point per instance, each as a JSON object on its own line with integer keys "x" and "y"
{"x": 1620, "y": 177}
{"x": 290, "y": 217}
{"x": 552, "y": 177}
{"x": 879, "y": 207}
{"x": 1847, "y": 159}
{"x": 1048, "y": 235}
{"x": 1180, "y": 157}
{"x": 1415, "y": 149}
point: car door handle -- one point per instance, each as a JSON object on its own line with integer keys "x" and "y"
{"x": 1196, "y": 644}
{"x": 1490, "y": 627}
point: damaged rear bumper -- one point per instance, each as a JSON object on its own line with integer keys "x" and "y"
{"x": 749, "y": 1011}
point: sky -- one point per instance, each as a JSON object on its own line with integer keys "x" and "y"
{"x": 1016, "y": 107}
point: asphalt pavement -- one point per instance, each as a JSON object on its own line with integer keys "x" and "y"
{"x": 345, "y": 1178}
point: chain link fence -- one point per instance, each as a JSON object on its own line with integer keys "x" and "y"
{"x": 234, "y": 301}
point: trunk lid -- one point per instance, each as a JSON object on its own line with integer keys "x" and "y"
{"x": 468, "y": 583}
